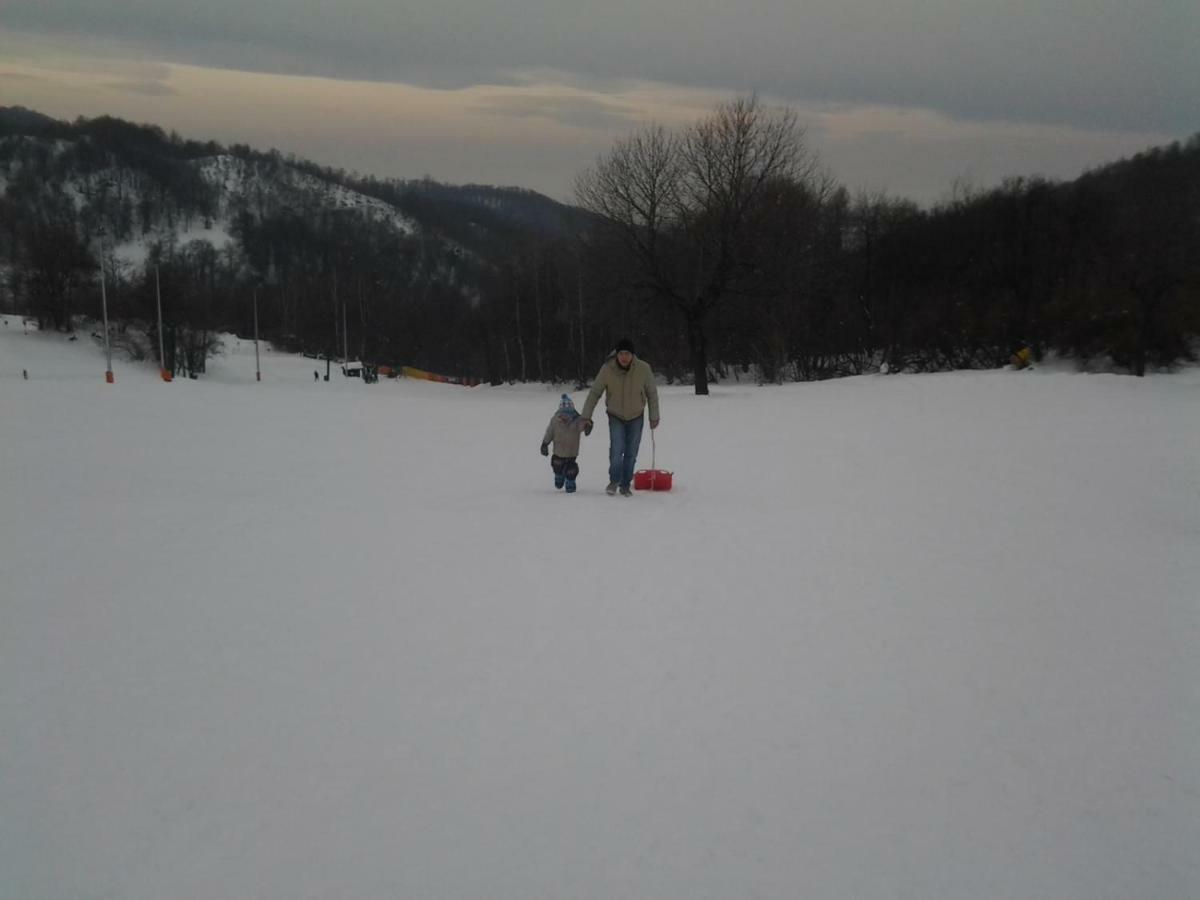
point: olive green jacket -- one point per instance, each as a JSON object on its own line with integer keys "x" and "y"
{"x": 629, "y": 390}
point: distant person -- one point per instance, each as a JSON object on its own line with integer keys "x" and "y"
{"x": 25, "y": 374}
{"x": 1022, "y": 355}
{"x": 629, "y": 384}
{"x": 316, "y": 375}
{"x": 563, "y": 430}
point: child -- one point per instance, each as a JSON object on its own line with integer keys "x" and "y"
{"x": 564, "y": 430}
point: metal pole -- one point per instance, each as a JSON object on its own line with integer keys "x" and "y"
{"x": 162, "y": 353}
{"x": 108, "y": 372}
{"x": 257, "y": 370}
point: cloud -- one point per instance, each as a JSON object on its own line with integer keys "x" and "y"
{"x": 921, "y": 153}
{"x": 972, "y": 59}
{"x": 538, "y": 130}
{"x": 145, "y": 88}
{"x": 572, "y": 110}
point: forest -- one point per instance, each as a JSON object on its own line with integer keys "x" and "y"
{"x": 722, "y": 249}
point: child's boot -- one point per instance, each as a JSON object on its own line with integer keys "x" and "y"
{"x": 570, "y": 485}
{"x": 559, "y": 480}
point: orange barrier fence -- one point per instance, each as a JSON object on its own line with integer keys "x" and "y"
{"x": 410, "y": 372}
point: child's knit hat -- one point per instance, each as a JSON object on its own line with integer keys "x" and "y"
{"x": 566, "y": 407}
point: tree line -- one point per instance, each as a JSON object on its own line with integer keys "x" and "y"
{"x": 722, "y": 249}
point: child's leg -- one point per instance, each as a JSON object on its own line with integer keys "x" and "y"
{"x": 558, "y": 463}
{"x": 570, "y": 473}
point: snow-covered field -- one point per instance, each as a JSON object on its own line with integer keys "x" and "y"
{"x": 889, "y": 637}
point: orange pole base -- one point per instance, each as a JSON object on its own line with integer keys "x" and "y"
{"x": 108, "y": 376}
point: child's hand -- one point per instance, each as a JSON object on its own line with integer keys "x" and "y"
{"x": 587, "y": 426}
{"x": 545, "y": 450}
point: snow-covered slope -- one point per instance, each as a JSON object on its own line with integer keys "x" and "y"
{"x": 273, "y": 186}
{"x": 263, "y": 187}
{"x": 889, "y": 637}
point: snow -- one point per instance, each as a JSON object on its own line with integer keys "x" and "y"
{"x": 283, "y": 185}
{"x": 924, "y": 636}
{"x": 264, "y": 187}
{"x": 135, "y": 252}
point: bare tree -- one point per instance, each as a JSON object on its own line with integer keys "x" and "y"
{"x": 688, "y": 206}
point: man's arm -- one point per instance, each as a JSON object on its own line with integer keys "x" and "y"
{"x": 593, "y": 397}
{"x": 652, "y": 396}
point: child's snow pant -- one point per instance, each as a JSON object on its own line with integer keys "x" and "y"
{"x": 566, "y": 470}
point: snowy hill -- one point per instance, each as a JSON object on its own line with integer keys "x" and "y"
{"x": 914, "y": 636}
{"x": 235, "y": 185}
{"x": 213, "y": 227}
{"x": 277, "y": 186}
{"x": 127, "y": 177}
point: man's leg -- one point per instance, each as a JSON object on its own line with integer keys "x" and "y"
{"x": 616, "y": 451}
{"x": 633, "y": 439}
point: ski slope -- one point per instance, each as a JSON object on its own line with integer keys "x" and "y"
{"x": 889, "y": 637}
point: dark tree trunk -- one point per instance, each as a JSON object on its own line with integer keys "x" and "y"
{"x": 699, "y": 351}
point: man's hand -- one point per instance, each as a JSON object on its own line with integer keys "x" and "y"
{"x": 653, "y": 424}
{"x": 545, "y": 449}
{"x": 587, "y": 426}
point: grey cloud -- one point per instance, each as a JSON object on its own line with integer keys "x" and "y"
{"x": 926, "y": 169}
{"x": 145, "y": 88}
{"x": 579, "y": 112}
{"x": 1093, "y": 63}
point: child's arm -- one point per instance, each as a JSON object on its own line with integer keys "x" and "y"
{"x": 548, "y": 436}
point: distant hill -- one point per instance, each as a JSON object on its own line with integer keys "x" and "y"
{"x": 20, "y": 120}
{"x": 137, "y": 194}
{"x": 207, "y": 179}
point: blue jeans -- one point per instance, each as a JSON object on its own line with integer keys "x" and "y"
{"x": 624, "y": 438}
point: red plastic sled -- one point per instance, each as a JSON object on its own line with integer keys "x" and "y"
{"x": 652, "y": 480}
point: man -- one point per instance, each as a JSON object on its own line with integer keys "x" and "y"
{"x": 629, "y": 384}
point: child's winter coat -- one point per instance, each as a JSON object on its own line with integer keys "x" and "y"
{"x": 564, "y": 430}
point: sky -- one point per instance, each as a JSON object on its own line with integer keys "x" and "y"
{"x": 918, "y": 98}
